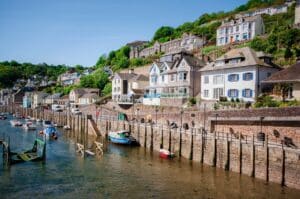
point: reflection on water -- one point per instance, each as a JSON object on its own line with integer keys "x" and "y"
{"x": 121, "y": 173}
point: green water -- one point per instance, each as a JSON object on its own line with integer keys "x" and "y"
{"x": 121, "y": 173}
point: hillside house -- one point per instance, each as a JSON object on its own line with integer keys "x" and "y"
{"x": 83, "y": 96}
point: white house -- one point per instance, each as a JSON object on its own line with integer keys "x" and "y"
{"x": 38, "y": 98}
{"x": 172, "y": 83}
{"x": 236, "y": 74}
{"x": 69, "y": 78}
{"x": 83, "y": 96}
{"x": 241, "y": 29}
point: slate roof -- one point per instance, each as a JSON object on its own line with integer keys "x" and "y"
{"x": 288, "y": 75}
{"x": 251, "y": 57}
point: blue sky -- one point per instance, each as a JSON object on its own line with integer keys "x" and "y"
{"x": 79, "y": 31}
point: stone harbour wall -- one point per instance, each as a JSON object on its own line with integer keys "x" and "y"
{"x": 268, "y": 160}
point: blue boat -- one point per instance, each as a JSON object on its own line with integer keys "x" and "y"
{"x": 121, "y": 137}
{"x": 50, "y": 132}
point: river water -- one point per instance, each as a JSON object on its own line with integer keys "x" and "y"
{"x": 122, "y": 172}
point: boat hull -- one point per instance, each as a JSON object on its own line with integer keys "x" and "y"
{"x": 125, "y": 141}
{"x": 166, "y": 154}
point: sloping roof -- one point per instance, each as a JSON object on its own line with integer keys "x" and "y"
{"x": 89, "y": 95}
{"x": 137, "y": 43}
{"x": 288, "y": 75}
{"x": 138, "y": 91}
{"x": 141, "y": 78}
{"x": 126, "y": 76}
{"x": 250, "y": 56}
{"x": 193, "y": 61}
{"x": 245, "y": 19}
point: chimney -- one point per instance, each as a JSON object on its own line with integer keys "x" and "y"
{"x": 131, "y": 71}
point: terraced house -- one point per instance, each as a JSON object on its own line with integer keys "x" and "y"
{"x": 240, "y": 29}
{"x": 173, "y": 82}
{"x": 236, "y": 74}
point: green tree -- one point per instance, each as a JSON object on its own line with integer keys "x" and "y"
{"x": 107, "y": 89}
{"x": 163, "y": 32}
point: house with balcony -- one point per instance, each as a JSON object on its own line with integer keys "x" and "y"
{"x": 236, "y": 74}
{"x": 172, "y": 83}
{"x": 128, "y": 88}
{"x": 240, "y": 29}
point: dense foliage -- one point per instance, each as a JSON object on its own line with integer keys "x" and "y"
{"x": 11, "y": 71}
{"x": 98, "y": 79}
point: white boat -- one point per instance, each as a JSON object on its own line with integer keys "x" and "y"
{"x": 39, "y": 120}
{"x": 67, "y": 127}
{"x": 29, "y": 126}
{"x": 15, "y": 123}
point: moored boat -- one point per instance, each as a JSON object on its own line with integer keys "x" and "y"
{"x": 50, "y": 132}
{"x": 121, "y": 137}
{"x": 166, "y": 154}
{"x": 3, "y": 117}
{"x": 47, "y": 123}
{"x": 15, "y": 123}
{"x": 29, "y": 126}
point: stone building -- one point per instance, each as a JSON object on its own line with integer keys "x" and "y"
{"x": 187, "y": 42}
{"x": 241, "y": 29}
{"x": 269, "y": 11}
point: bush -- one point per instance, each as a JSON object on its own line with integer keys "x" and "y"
{"x": 192, "y": 101}
{"x": 266, "y": 101}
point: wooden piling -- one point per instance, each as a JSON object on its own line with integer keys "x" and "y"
{"x": 252, "y": 157}
{"x": 240, "y": 153}
{"x": 227, "y": 164}
{"x": 192, "y": 145}
{"x": 267, "y": 158}
{"x": 282, "y": 166}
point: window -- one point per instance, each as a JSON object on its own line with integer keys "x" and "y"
{"x": 268, "y": 74}
{"x": 154, "y": 79}
{"x": 247, "y": 93}
{"x": 206, "y": 93}
{"x": 206, "y": 79}
{"x": 237, "y": 28}
{"x": 218, "y": 92}
{"x": 245, "y": 36}
{"x": 233, "y": 93}
{"x": 233, "y": 77}
{"x": 182, "y": 76}
{"x": 237, "y": 37}
{"x": 218, "y": 79}
{"x": 163, "y": 78}
{"x": 173, "y": 77}
{"x": 247, "y": 76}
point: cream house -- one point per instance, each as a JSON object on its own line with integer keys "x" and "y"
{"x": 83, "y": 96}
{"x": 290, "y": 77}
{"x": 38, "y": 98}
{"x": 128, "y": 86}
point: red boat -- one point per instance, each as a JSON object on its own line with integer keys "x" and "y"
{"x": 166, "y": 154}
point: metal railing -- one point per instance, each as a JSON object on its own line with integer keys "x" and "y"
{"x": 179, "y": 95}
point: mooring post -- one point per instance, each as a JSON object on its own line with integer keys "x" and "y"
{"x": 180, "y": 140}
{"x": 162, "y": 137}
{"x": 214, "y": 159}
{"x": 202, "y": 146}
{"x": 267, "y": 158}
{"x": 227, "y": 164}
{"x": 151, "y": 137}
{"x": 240, "y": 154}
{"x": 145, "y": 137}
{"x": 192, "y": 144}
{"x": 170, "y": 139}
{"x": 282, "y": 166}
{"x": 253, "y": 157}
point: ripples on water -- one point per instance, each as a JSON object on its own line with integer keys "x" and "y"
{"x": 121, "y": 173}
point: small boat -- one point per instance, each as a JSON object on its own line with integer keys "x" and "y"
{"x": 47, "y": 123}
{"x": 3, "y": 117}
{"x": 29, "y": 126}
{"x": 166, "y": 154}
{"x": 39, "y": 120}
{"x": 67, "y": 127}
{"x": 15, "y": 123}
{"x": 50, "y": 133}
{"x": 18, "y": 115}
{"x": 121, "y": 137}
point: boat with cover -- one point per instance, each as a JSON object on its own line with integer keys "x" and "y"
{"x": 121, "y": 137}
{"x": 50, "y": 132}
{"x": 166, "y": 154}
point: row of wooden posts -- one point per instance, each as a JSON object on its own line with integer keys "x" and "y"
{"x": 78, "y": 124}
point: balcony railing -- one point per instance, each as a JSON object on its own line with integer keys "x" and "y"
{"x": 174, "y": 95}
{"x": 152, "y": 96}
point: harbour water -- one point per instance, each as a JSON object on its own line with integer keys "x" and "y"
{"x": 121, "y": 173}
